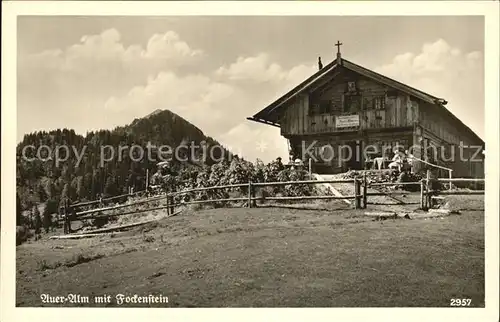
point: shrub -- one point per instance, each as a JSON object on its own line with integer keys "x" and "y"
{"x": 42, "y": 265}
{"x": 237, "y": 171}
{"x": 47, "y": 219}
{"x": 22, "y": 234}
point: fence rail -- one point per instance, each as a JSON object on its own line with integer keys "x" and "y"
{"x": 461, "y": 180}
{"x": 311, "y": 197}
{"x": 427, "y": 194}
{"x": 94, "y": 202}
{"x": 285, "y": 183}
{"x": 121, "y": 206}
{"x": 238, "y": 185}
{"x": 470, "y": 192}
{"x": 387, "y": 193}
{"x": 360, "y": 195}
{"x": 393, "y": 184}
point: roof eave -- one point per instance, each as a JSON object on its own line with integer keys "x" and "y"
{"x": 456, "y": 119}
{"x": 296, "y": 90}
{"x": 258, "y": 120}
{"x": 260, "y": 116}
{"x": 392, "y": 82}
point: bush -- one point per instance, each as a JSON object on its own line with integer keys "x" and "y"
{"x": 19, "y": 217}
{"x": 22, "y": 234}
{"x": 37, "y": 221}
{"x": 237, "y": 171}
{"x": 52, "y": 206}
{"x": 47, "y": 219}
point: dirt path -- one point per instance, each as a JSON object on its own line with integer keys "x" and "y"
{"x": 347, "y": 189}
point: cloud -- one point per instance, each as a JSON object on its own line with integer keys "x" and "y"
{"x": 106, "y": 49}
{"x": 197, "y": 98}
{"x": 219, "y": 102}
{"x": 261, "y": 69}
{"x": 445, "y": 71}
{"x": 68, "y": 87}
{"x": 256, "y": 141}
{"x": 169, "y": 46}
{"x": 434, "y": 59}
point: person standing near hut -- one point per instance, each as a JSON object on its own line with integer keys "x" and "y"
{"x": 409, "y": 161}
{"x": 161, "y": 176}
{"x": 278, "y": 165}
{"x": 66, "y": 216}
{"x": 434, "y": 186}
{"x": 37, "y": 222}
{"x": 397, "y": 161}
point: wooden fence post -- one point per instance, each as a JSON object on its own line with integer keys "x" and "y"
{"x": 71, "y": 215}
{"x": 250, "y": 192}
{"x": 65, "y": 216}
{"x": 423, "y": 195}
{"x": 168, "y": 205}
{"x": 422, "y": 204}
{"x": 254, "y": 202}
{"x": 365, "y": 190}
{"x": 428, "y": 196}
{"x": 171, "y": 203}
{"x": 449, "y": 176}
{"x": 357, "y": 199}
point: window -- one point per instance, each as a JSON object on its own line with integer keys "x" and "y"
{"x": 352, "y": 103}
{"x": 392, "y": 93}
{"x": 351, "y": 87}
{"x": 318, "y": 104}
{"x": 324, "y": 107}
{"x": 321, "y": 107}
{"x": 367, "y": 103}
{"x": 379, "y": 102}
{"x": 374, "y": 102}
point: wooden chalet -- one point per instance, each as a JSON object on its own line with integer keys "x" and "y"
{"x": 344, "y": 104}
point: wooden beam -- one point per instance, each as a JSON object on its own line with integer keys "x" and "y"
{"x": 78, "y": 236}
{"x": 307, "y": 83}
{"x": 183, "y": 192}
{"x": 447, "y": 192}
{"x": 323, "y": 85}
{"x": 284, "y": 183}
{"x": 120, "y": 206}
{"x": 123, "y": 213}
{"x": 461, "y": 180}
{"x": 93, "y": 202}
{"x": 263, "y": 121}
{"x": 212, "y": 201}
{"x": 307, "y": 198}
{"x": 110, "y": 229}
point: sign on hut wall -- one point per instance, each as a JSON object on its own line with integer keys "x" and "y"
{"x": 342, "y": 121}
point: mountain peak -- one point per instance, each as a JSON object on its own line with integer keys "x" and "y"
{"x": 153, "y": 113}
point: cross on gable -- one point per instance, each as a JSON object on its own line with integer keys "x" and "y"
{"x": 338, "y": 44}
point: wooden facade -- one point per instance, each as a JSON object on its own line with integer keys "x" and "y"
{"x": 344, "y": 104}
{"x": 376, "y": 109}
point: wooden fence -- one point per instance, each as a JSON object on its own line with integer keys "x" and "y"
{"x": 360, "y": 196}
{"x": 71, "y": 213}
{"x": 428, "y": 194}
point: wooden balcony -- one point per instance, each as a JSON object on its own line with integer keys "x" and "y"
{"x": 363, "y": 120}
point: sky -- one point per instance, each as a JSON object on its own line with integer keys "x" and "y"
{"x": 89, "y": 73}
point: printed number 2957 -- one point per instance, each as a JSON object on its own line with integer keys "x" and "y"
{"x": 460, "y": 302}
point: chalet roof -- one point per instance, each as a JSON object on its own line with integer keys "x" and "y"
{"x": 270, "y": 116}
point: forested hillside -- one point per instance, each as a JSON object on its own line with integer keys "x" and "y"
{"x": 41, "y": 180}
